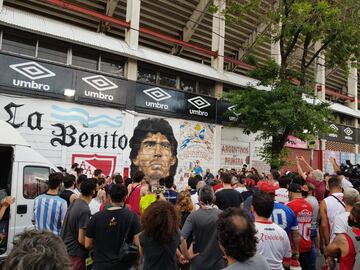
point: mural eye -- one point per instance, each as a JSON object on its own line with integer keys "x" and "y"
{"x": 149, "y": 144}
{"x": 165, "y": 145}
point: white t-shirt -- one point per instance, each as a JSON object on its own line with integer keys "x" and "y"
{"x": 195, "y": 201}
{"x": 346, "y": 183}
{"x": 315, "y": 214}
{"x": 72, "y": 172}
{"x": 94, "y": 206}
{"x": 274, "y": 244}
{"x": 77, "y": 192}
{"x": 341, "y": 223}
{"x": 282, "y": 195}
{"x": 195, "y": 198}
{"x": 241, "y": 189}
{"x": 333, "y": 208}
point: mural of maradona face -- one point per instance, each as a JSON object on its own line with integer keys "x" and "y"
{"x": 153, "y": 149}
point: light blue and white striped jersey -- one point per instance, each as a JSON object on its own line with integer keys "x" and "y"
{"x": 49, "y": 212}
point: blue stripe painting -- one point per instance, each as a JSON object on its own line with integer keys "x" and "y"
{"x": 84, "y": 118}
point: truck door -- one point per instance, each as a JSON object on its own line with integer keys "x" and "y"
{"x": 32, "y": 181}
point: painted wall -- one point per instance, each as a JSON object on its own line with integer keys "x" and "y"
{"x": 67, "y": 132}
{"x": 96, "y": 137}
{"x": 195, "y": 141}
{"x": 238, "y": 148}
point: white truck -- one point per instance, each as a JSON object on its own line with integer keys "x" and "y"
{"x": 23, "y": 175}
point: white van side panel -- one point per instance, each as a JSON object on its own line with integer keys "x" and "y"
{"x": 23, "y": 221}
{"x": 10, "y": 136}
{"x": 27, "y": 154}
{"x": 24, "y": 156}
{"x": 11, "y": 232}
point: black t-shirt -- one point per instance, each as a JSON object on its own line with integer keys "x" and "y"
{"x": 66, "y": 194}
{"x": 159, "y": 256}
{"x": 77, "y": 217}
{"x": 226, "y": 198}
{"x": 107, "y": 229}
{"x": 184, "y": 216}
{"x": 247, "y": 194}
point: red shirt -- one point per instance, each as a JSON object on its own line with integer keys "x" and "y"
{"x": 218, "y": 186}
{"x": 303, "y": 212}
{"x": 320, "y": 188}
{"x": 134, "y": 199}
{"x": 347, "y": 262}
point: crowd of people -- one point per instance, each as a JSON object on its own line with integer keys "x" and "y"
{"x": 238, "y": 219}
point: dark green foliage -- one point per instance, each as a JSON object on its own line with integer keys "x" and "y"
{"x": 276, "y": 114}
{"x": 333, "y": 25}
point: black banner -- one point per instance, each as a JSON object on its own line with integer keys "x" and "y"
{"x": 226, "y": 113}
{"x": 44, "y": 78}
{"x": 16, "y": 72}
{"x": 178, "y": 103}
{"x": 97, "y": 87}
{"x": 341, "y": 133}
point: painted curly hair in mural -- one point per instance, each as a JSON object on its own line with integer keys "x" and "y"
{"x": 153, "y": 149}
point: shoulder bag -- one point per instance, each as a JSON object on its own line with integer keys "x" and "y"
{"x": 128, "y": 253}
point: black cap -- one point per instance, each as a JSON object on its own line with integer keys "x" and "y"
{"x": 295, "y": 188}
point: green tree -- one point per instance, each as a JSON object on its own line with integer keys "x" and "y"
{"x": 297, "y": 25}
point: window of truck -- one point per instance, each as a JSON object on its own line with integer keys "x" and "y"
{"x": 35, "y": 181}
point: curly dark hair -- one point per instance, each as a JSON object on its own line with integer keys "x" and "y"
{"x": 88, "y": 186}
{"x": 152, "y": 125}
{"x": 183, "y": 202}
{"x": 237, "y": 234}
{"x": 160, "y": 221}
{"x": 38, "y": 250}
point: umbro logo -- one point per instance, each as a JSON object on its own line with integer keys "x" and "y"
{"x": 32, "y": 70}
{"x": 99, "y": 82}
{"x": 233, "y": 110}
{"x": 199, "y": 102}
{"x": 334, "y": 131}
{"x": 157, "y": 94}
{"x": 348, "y": 131}
{"x": 235, "y": 115}
{"x": 334, "y": 127}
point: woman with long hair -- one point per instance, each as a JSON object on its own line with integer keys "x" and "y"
{"x": 160, "y": 236}
{"x": 184, "y": 205}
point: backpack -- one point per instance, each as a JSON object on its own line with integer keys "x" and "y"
{"x": 356, "y": 241}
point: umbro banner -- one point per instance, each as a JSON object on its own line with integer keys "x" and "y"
{"x": 173, "y": 102}
{"x": 341, "y": 133}
{"x": 37, "y": 77}
{"x": 42, "y": 78}
{"x": 97, "y": 88}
